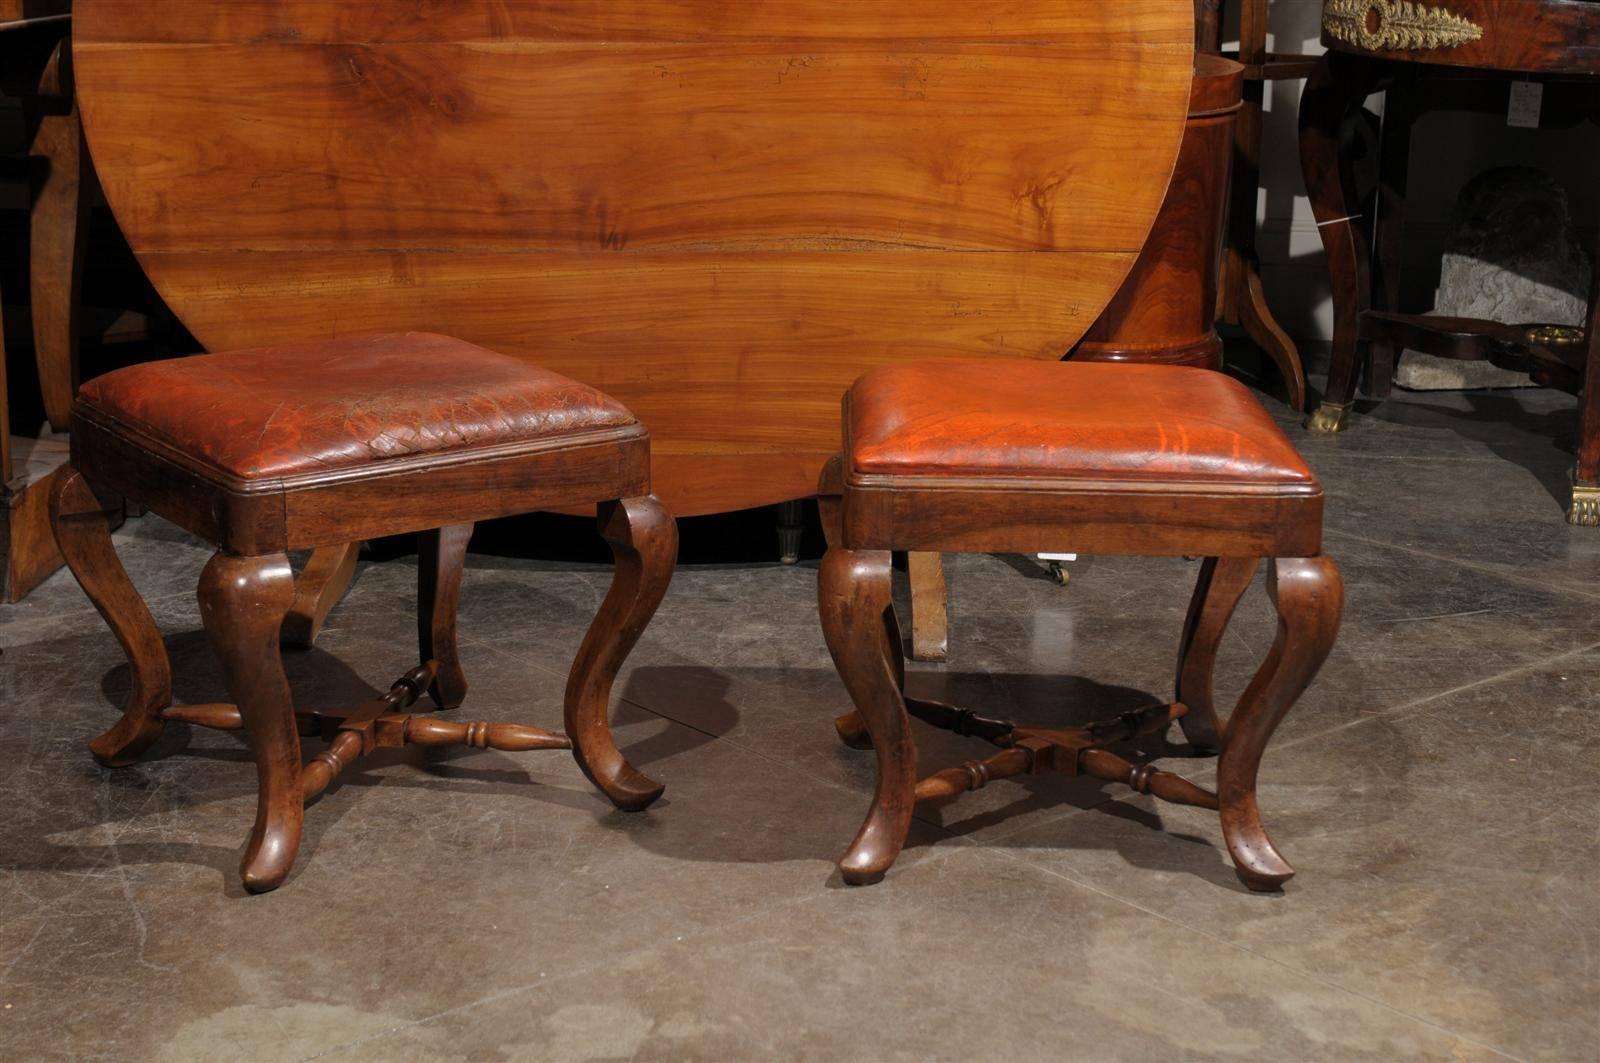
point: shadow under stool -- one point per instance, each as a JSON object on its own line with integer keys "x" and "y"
{"x": 290, "y": 448}
{"x": 1013, "y": 456}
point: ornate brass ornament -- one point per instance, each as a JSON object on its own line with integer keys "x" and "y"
{"x": 1585, "y": 511}
{"x": 1384, "y": 25}
{"x": 1557, "y": 336}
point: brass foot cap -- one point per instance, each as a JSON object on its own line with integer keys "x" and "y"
{"x": 1585, "y": 511}
{"x": 1329, "y": 417}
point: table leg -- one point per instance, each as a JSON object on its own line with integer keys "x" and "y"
{"x": 60, "y": 226}
{"x": 1333, "y": 95}
{"x": 1585, "y": 509}
{"x": 930, "y": 606}
{"x": 1399, "y": 116}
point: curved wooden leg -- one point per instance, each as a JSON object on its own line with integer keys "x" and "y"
{"x": 1333, "y": 94}
{"x": 857, "y": 611}
{"x": 242, "y": 604}
{"x": 1222, "y": 583}
{"x": 1399, "y": 117}
{"x": 1309, "y": 597}
{"x": 851, "y": 727}
{"x": 644, "y": 541}
{"x": 1256, "y": 317}
{"x": 321, "y": 585}
{"x": 441, "y": 555}
{"x": 83, "y": 535}
{"x": 62, "y": 202}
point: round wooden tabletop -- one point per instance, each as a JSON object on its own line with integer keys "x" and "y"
{"x": 719, "y": 211}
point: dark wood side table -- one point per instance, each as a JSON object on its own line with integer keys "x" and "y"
{"x": 1376, "y": 44}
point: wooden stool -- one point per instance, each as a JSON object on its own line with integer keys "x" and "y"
{"x": 1014, "y": 456}
{"x": 290, "y": 448}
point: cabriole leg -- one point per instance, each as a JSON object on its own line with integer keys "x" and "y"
{"x": 851, "y": 727}
{"x": 1222, "y": 582}
{"x": 857, "y": 611}
{"x": 1309, "y": 597}
{"x": 243, "y": 601}
{"x": 84, "y": 537}
{"x": 644, "y": 541}
{"x": 441, "y": 557}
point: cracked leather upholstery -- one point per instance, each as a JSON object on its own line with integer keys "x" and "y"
{"x": 340, "y": 404}
{"x": 1066, "y": 421}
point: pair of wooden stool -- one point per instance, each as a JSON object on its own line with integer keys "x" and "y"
{"x": 266, "y": 451}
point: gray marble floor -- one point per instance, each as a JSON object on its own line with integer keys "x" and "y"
{"x": 1437, "y": 790}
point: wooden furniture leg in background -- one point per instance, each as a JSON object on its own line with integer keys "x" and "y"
{"x": 63, "y": 197}
{"x": 791, "y": 524}
{"x": 37, "y": 68}
{"x": 1399, "y": 116}
{"x": 1208, "y": 25}
{"x": 1585, "y": 508}
{"x": 5, "y": 417}
{"x": 441, "y": 560}
{"x": 319, "y": 587}
{"x": 1222, "y": 582}
{"x": 1244, "y": 300}
{"x": 1333, "y": 95}
{"x": 930, "y": 607}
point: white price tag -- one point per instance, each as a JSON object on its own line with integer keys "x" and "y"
{"x": 1527, "y": 100}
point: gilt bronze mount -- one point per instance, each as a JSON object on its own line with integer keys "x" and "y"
{"x": 1402, "y": 25}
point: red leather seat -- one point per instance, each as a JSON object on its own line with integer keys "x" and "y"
{"x": 1017, "y": 420}
{"x": 315, "y": 444}
{"x": 340, "y": 404}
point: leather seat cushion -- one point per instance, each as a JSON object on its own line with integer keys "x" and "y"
{"x": 339, "y": 404}
{"x": 1019, "y": 419}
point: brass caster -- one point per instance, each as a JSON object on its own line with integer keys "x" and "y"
{"x": 1585, "y": 511}
{"x": 1059, "y": 573}
{"x": 1329, "y": 417}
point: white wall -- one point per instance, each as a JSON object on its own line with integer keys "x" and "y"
{"x": 1448, "y": 150}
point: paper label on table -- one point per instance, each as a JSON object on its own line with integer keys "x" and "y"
{"x": 1527, "y": 100}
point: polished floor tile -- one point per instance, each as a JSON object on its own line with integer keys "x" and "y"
{"x": 966, "y": 958}
{"x": 1444, "y": 855}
